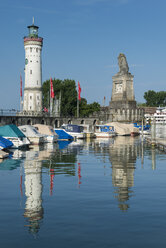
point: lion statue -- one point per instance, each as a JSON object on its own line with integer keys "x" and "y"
{"x": 123, "y": 65}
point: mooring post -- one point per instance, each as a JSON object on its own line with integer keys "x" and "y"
{"x": 153, "y": 132}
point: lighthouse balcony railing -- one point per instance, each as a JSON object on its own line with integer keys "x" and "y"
{"x": 26, "y": 38}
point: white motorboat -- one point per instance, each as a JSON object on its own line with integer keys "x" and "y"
{"x": 14, "y": 134}
{"x": 75, "y": 131}
{"x": 33, "y": 135}
{"x": 104, "y": 131}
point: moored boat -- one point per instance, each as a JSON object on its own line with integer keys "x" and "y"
{"x": 159, "y": 117}
{"x": 104, "y": 131}
{"x": 143, "y": 129}
{"x": 14, "y": 134}
{"x": 75, "y": 131}
{"x": 33, "y": 135}
{"x": 50, "y": 133}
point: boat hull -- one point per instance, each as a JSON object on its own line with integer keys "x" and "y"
{"x": 104, "y": 135}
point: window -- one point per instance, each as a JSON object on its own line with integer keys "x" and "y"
{"x": 37, "y": 50}
{"x": 30, "y": 97}
{"x": 37, "y": 97}
{"x": 30, "y": 49}
{"x": 30, "y": 71}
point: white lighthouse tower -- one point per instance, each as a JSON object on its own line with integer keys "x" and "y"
{"x": 33, "y": 71}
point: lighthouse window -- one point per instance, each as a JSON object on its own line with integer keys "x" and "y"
{"x": 37, "y": 82}
{"x": 37, "y": 50}
{"x": 30, "y": 97}
{"x": 30, "y": 71}
{"x": 30, "y": 49}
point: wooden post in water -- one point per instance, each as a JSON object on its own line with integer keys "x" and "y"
{"x": 153, "y": 132}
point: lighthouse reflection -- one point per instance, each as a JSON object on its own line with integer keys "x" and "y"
{"x": 33, "y": 190}
{"x": 54, "y": 162}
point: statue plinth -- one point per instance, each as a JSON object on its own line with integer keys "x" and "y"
{"x": 122, "y": 88}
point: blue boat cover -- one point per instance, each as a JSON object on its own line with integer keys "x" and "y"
{"x": 5, "y": 143}
{"x": 62, "y": 135}
{"x": 11, "y": 131}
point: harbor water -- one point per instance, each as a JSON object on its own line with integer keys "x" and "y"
{"x": 99, "y": 193}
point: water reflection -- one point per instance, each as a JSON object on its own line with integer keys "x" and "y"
{"x": 39, "y": 158}
{"x": 33, "y": 191}
{"x": 123, "y": 155}
{"x": 72, "y": 159}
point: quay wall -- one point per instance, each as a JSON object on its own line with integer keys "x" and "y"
{"x": 104, "y": 116}
{"x": 47, "y": 120}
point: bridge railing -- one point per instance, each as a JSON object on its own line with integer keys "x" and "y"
{"x": 8, "y": 112}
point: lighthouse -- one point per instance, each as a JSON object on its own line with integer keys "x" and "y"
{"x": 33, "y": 71}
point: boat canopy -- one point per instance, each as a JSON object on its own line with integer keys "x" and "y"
{"x": 44, "y": 129}
{"x": 73, "y": 128}
{"x": 30, "y": 131}
{"x": 11, "y": 131}
{"x": 5, "y": 143}
{"x": 62, "y": 135}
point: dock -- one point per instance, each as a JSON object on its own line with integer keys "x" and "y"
{"x": 160, "y": 143}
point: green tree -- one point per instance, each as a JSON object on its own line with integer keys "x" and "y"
{"x": 155, "y": 99}
{"x": 67, "y": 89}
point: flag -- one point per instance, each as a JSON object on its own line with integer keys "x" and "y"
{"x": 20, "y": 85}
{"x": 45, "y": 109}
{"x": 79, "y": 91}
{"x": 51, "y": 88}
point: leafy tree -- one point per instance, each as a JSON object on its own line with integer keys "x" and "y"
{"x": 67, "y": 89}
{"x": 155, "y": 99}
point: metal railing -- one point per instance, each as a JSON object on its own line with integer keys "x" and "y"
{"x": 8, "y": 112}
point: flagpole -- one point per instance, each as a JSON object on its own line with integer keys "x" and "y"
{"x": 77, "y": 106}
{"x": 78, "y": 98}
{"x": 60, "y": 104}
{"x": 20, "y": 92}
{"x": 50, "y": 99}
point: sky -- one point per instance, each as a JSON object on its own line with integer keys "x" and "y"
{"x": 82, "y": 41}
